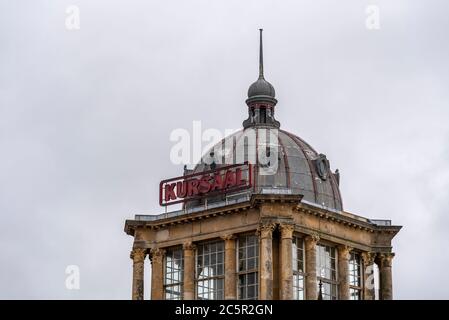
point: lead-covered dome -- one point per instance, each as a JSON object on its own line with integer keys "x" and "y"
{"x": 297, "y": 169}
{"x": 300, "y": 169}
{"x": 261, "y": 88}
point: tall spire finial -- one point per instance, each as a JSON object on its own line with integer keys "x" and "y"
{"x": 260, "y": 56}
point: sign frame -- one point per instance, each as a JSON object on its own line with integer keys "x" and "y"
{"x": 248, "y": 185}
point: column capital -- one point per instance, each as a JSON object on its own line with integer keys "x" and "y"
{"x": 188, "y": 245}
{"x": 138, "y": 254}
{"x": 386, "y": 258}
{"x": 287, "y": 230}
{"x": 265, "y": 230}
{"x": 368, "y": 258}
{"x": 343, "y": 251}
{"x": 157, "y": 255}
{"x": 311, "y": 240}
{"x": 228, "y": 236}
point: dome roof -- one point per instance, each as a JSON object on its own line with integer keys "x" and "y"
{"x": 261, "y": 88}
{"x": 300, "y": 169}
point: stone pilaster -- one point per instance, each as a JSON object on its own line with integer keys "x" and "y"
{"x": 157, "y": 273}
{"x": 311, "y": 281}
{"x": 230, "y": 281}
{"x": 343, "y": 272}
{"x": 138, "y": 257}
{"x": 368, "y": 275}
{"x": 265, "y": 232}
{"x": 285, "y": 263}
{"x": 189, "y": 271}
{"x": 386, "y": 277}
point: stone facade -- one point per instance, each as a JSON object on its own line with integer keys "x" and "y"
{"x": 276, "y": 219}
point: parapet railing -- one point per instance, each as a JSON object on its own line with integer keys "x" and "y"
{"x": 232, "y": 199}
{"x": 245, "y": 196}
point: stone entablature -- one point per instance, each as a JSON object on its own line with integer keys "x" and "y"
{"x": 244, "y": 217}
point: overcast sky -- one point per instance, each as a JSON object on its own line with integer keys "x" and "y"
{"x": 86, "y": 115}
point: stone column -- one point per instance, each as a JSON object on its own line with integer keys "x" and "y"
{"x": 189, "y": 271}
{"x": 343, "y": 272}
{"x": 285, "y": 262}
{"x": 138, "y": 256}
{"x": 266, "y": 261}
{"x": 311, "y": 282}
{"x": 230, "y": 282}
{"x": 386, "y": 278}
{"x": 368, "y": 275}
{"x": 157, "y": 273}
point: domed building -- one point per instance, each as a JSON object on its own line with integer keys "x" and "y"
{"x": 262, "y": 218}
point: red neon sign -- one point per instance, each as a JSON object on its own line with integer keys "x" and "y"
{"x": 222, "y": 180}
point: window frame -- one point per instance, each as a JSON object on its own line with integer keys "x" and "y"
{"x": 326, "y": 281}
{"x": 246, "y": 272}
{"x": 296, "y": 288}
{"x": 180, "y": 283}
{"x": 358, "y": 288}
{"x": 217, "y": 277}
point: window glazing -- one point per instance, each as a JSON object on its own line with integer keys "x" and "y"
{"x": 248, "y": 264}
{"x": 327, "y": 271}
{"x": 210, "y": 271}
{"x": 173, "y": 274}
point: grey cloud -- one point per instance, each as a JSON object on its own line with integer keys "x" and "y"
{"x": 85, "y": 118}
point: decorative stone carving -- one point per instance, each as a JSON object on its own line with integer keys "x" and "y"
{"x": 157, "y": 255}
{"x": 311, "y": 241}
{"x": 286, "y": 230}
{"x": 228, "y": 237}
{"x": 322, "y": 166}
{"x": 138, "y": 254}
{"x": 368, "y": 258}
{"x": 386, "y": 259}
{"x": 344, "y": 251}
{"x": 265, "y": 230}
{"x": 188, "y": 245}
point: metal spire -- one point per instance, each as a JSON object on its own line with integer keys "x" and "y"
{"x": 261, "y": 56}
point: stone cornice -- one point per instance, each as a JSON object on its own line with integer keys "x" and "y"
{"x": 346, "y": 220}
{"x": 131, "y": 225}
{"x": 258, "y": 199}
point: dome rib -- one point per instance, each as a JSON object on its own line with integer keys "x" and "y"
{"x": 287, "y": 167}
{"x": 312, "y": 173}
